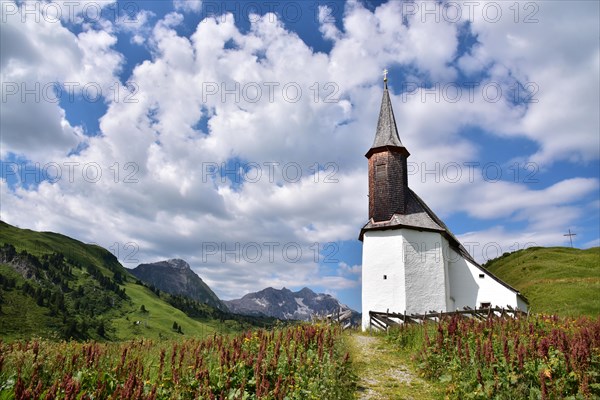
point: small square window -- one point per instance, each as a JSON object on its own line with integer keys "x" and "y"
{"x": 485, "y": 305}
{"x": 384, "y": 277}
{"x": 481, "y": 276}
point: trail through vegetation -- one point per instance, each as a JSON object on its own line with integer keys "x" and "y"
{"x": 385, "y": 373}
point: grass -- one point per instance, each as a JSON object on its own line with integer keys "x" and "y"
{"x": 39, "y": 243}
{"x": 555, "y": 280}
{"x": 20, "y": 316}
{"x": 158, "y": 320}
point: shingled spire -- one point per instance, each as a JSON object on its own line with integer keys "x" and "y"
{"x": 387, "y": 132}
{"x": 388, "y": 179}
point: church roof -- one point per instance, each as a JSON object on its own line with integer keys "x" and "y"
{"x": 420, "y": 217}
{"x": 417, "y": 215}
{"x": 387, "y": 132}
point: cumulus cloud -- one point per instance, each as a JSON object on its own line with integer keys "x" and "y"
{"x": 347, "y": 269}
{"x": 242, "y": 152}
{"x": 487, "y": 244}
{"x": 544, "y": 47}
{"x": 188, "y": 5}
{"x": 43, "y": 63}
{"x": 138, "y": 25}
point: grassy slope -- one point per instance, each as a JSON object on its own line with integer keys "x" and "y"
{"x": 557, "y": 280}
{"x": 158, "y": 320}
{"x": 38, "y": 243}
{"x": 21, "y": 317}
{"x": 14, "y": 322}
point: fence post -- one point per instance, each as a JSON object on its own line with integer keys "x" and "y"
{"x": 387, "y": 326}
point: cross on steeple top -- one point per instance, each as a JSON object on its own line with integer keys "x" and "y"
{"x": 387, "y": 132}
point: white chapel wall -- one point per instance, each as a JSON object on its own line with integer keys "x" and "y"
{"x": 382, "y": 258}
{"x": 405, "y": 270}
{"x": 471, "y": 286}
{"x": 425, "y": 275}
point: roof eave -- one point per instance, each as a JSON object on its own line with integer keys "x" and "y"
{"x": 394, "y": 226}
{"x": 390, "y": 148}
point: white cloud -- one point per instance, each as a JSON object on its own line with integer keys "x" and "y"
{"x": 157, "y": 195}
{"x": 188, "y": 5}
{"x": 327, "y": 23}
{"x": 490, "y": 243}
{"x": 43, "y": 62}
{"x": 138, "y": 25}
{"x": 552, "y": 47}
{"x": 347, "y": 269}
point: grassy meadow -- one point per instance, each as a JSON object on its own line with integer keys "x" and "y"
{"x": 555, "y": 280}
{"x": 301, "y": 362}
{"x": 536, "y": 357}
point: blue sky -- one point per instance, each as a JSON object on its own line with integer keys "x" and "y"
{"x": 233, "y": 134}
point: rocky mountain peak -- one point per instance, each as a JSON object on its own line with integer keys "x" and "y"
{"x": 178, "y": 263}
{"x": 285, "y": 304}
{"x": 306, "y": 292}
{"x": 175, "y": 276}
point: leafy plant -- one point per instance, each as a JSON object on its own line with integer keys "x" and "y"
{"x": 301, "y": 362}
{"x": 543, "y": 357}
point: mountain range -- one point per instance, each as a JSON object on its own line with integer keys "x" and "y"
{"x": 54, "y": 286}
{"x": 287, "y": 305}
{"x": 176, "y": 277}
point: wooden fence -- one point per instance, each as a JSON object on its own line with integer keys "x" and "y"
{"x": 383, "y": 320}
{"x": 342, "y": 317}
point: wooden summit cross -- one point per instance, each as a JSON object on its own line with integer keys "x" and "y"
{"x": 570, "y": 235}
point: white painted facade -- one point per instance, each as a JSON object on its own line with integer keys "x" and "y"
{"x": 473, "y": 286}
{"x": 412, "y": 271}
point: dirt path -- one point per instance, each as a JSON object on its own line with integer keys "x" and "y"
{"x": 383, "y": 373}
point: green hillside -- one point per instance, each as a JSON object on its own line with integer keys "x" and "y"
{"x": 556, "y": 280}
{"x": 57, "y": 287}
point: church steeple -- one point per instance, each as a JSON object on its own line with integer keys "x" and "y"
{"x": 388, "y": 178}
{"x": 387, "y": 132}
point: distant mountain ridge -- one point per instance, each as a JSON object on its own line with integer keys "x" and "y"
{"x": 54, "y": 286}
{"x": 175, "y": 276}
{"x": 287, "y": 305}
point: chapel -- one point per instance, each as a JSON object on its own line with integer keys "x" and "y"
{"x": 411, "y": 262}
